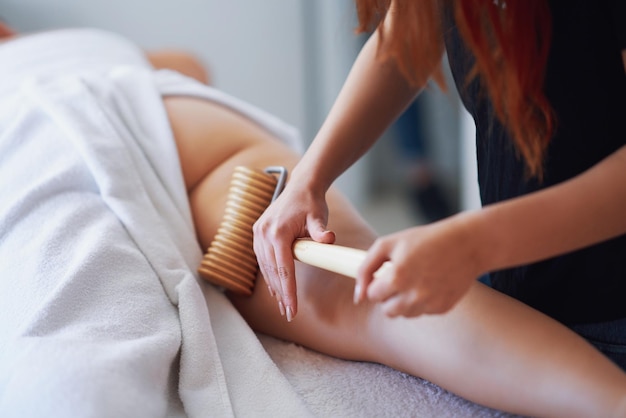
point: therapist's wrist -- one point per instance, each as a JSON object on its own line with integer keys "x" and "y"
{"x": 309, "y": 179}
{"x": 474, "y": 232}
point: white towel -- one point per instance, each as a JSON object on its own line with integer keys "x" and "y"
{"x": 102, "y": 314}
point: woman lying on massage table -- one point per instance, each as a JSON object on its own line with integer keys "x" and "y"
{"x": 489, "y": 349}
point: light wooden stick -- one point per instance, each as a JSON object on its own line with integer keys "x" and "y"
{"x": 332, "y": 257}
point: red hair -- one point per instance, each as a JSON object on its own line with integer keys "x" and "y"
{"x": 510, "y": 40}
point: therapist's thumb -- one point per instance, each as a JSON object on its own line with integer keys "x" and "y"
{"x": 318, "y": 232}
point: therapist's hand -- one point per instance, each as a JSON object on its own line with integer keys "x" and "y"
{"x": 431, "y": 267}
{"x": 296, "y": 213}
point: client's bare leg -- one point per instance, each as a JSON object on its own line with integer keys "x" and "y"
{"x": 490, "y": 349}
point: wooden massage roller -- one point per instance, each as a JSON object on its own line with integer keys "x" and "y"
{"x": 230, "y": 261}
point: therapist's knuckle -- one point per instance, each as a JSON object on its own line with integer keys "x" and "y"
{"x": 283, "y": 273}
{"x": 378, "y": 245}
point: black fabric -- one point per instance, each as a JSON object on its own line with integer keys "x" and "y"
{"x": 586, "y": 85}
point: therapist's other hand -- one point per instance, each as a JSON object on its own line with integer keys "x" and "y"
{"x": 431, "y": 268}
{"x": 296, "y": 213}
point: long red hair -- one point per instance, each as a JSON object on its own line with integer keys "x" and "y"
{"x": 510, "y": 40}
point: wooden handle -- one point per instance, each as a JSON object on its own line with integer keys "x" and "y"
{"x": 335, "y": 258}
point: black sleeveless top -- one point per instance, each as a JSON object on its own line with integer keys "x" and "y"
{"x": 586, "y": 85}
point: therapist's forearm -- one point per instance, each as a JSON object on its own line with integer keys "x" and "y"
{"x": 373, "y": 96}
{"x": 580, "y": 212}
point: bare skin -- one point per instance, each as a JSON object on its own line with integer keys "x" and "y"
{"x": 489, "y": 348}
{"x": 181, "y": 61}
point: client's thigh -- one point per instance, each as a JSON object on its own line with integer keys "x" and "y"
{"x": 211, "y": 141}
{"x": 327, "y": 319}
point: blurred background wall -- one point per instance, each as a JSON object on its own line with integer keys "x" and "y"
{"x": 289, "y": 57}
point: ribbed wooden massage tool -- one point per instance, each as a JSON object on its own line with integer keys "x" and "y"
{"x": 230, "y": 261}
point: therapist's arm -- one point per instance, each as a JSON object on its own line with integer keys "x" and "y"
{"x": 373, "y": 96}
{"x": 583, "y": 211}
